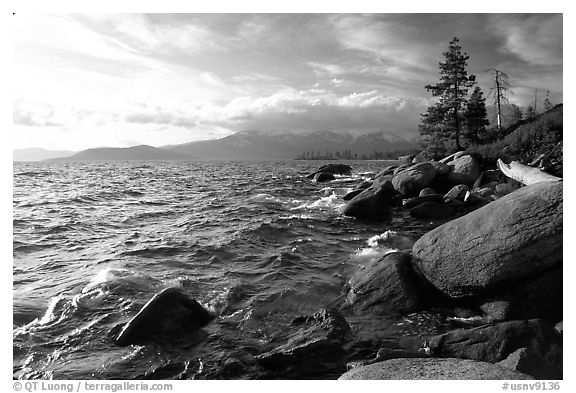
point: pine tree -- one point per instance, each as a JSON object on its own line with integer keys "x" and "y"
{"x": 516, "y": 114}
{"x": 476, "y": 116}
{"x": 452, "y": 90}
{"x": 547, "y": 104}
{"x": 432, "y": 132}
{"x": 530, "y": 113}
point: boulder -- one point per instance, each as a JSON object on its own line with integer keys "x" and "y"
{"x": 314, "y": 346}
{"x": 335, "y": 169}
{"x": 387, "y": 286}
{"x": 503, "y": 189}
{"x": 441, "y": 168}
{"x": 373, "y": 203}
{"x": 420, "y": 157}
{"x": 412, "y": 180}
{"x": 497, "y": 310}
{"x": 457, "y": 192}
{"x": 465, "y": 170}
{"x": 530, "y": 362}
{"x": 406, "y": 159}
{"x": 432, "y": 210}
{"x": 514, "y": 237}
{"x": 389, "y": 170}
{"x": 495, "y": 342}
{"x": 323, "y": 177}
{"x": 168, "y": 314}
{"x": 415, "y": 201}
{"x": 427, "y": 191}
{"x": 538, "y": 296}
{"x": 400, "y": 169}
{"x": 351, "y": 194}
{"x": 433, "y": 369}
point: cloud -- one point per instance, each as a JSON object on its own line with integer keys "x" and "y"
{"x": 34, "y": 114}
{"x": 536, "y": 39}
{"x": 161, "y": 116}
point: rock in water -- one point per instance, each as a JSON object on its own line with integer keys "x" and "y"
{"x": 371, "y": 204}
{"x": 494, "y": 343}
{"x": 488, "y": 249}
{"x": 413, "y": 179}
{"x": 415, "y": 201}
{"x": 315, "y": 347}
{"x": 168, "y": 313}
{"x": 323, "y": 176}
{"x": 415, "y": 368}
{"x": 386, "y": 286}
{"x": 432, "y": 210}
{"x": 335, "y": 169}
{"x": 466, "y": 170}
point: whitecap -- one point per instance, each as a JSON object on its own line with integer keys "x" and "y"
{"x": 330, "y": 201}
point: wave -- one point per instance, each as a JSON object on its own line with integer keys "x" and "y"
{"x": 381, "y": 245}
{"x": 331, "y": 201}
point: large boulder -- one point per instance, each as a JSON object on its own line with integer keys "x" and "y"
{"x": 385, "y": 286}
{"x": 167, "y": 315}
{"x": 466, "y": 170}
{"x": 422, "y": 368}
{"x": 413, "y": 179}
{"x": 510, "y": 239}
{"x": 335, "y": 169}
{"x": 314, "y": 345}
{"x": 373, "y": 203}
{"x": 494, "y": 343}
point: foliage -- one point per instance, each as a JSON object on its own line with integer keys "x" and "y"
{"x": 528, "y": 139}
{"x": 443, "y": 123}
{"x": 476, "y": 117}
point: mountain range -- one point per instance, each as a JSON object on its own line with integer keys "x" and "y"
{"x": 245, "y": 145}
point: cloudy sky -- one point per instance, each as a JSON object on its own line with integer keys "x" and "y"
{"x": 88, "y": 80}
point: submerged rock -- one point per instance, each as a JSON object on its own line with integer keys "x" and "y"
{"x": 490, "y": 248}
{"x": 385, "y": 286}
{"x": 413, "y": 179}
{"x": 314, "y": 348}
{"x": 415, "y": 368}
{"x": 323, "y": 177}
{"x": 373, "y": 203}
{"x": 168, "y": 314}
{"x": 335, "y": 169}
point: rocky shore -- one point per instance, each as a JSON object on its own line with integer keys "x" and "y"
{"x": 492, "y": 265}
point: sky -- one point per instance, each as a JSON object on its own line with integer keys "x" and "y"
{"x": 92, "y": 80}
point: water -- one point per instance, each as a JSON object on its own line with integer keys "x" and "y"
{"x": 255, "y": 242}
